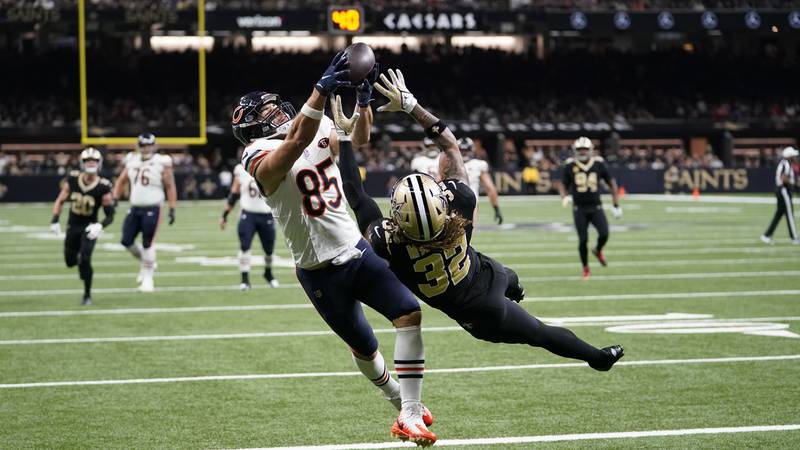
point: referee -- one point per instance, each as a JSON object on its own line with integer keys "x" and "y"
{"x": 784, "y": 183}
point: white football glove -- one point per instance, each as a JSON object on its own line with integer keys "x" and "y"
{"x": 400, "y": 98}
{"x": 55, "y": 227}
{"x": 93, "y": 231}
{"x": 566, "y": 201}
{"x": 344, "y": 124}
{"x": 616, "y": 211}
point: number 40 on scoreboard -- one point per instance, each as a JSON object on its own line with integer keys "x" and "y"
{"x": 345, "y": 19}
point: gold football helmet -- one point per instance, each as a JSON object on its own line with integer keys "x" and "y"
{"x": 419, "y": 207}
{"x": 583, "y": 148}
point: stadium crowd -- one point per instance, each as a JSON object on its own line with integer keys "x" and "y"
{"x": 669, "y": 84}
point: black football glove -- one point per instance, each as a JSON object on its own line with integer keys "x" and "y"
{"x": 335, "y": 76}
{"x": 498, "y": 216}
{"x": 171, "y": 216}
{"x": 364, "y": 90}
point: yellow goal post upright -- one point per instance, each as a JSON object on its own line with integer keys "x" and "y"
{"x": 200, "y": 139}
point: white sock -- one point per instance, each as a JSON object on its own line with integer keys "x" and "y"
{"x": 136, "y": 250}
{"x": 409, "y": 363}
{"x": 378, "y": 374}
{"x": 244, "y": 261}
{"x": 148, "y": 261}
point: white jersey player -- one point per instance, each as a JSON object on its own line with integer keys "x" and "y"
{"x": 256, "y": 217}
{"x": 427, "y": 163}
{"x": 478, "y": 173}
{"x": 291, "y": 156}
{"x": 150, "y": 175}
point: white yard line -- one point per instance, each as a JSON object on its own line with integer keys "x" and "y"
{"x": 174, "y": 310}
{"x": 667, "y": 296}
{"x": 650, "y": 252}
{"x": 548, "y": 438}
{"x": 563, "y": 321}
{"x": 670, "y": 276}
{"x": 131, "y": 275}
{"x": 272, "y": 376}
{"x": 225, "y": 287}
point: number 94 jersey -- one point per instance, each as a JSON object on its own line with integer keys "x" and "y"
{"x": 145, "y": 178}
{"x": 442, "y": 278}
{"x": 582, "y": 180}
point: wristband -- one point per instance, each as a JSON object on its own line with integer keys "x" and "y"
{"x": 436, "y": 129}
{"x": 225, "y": 214}
{"x": 311, "y": 113}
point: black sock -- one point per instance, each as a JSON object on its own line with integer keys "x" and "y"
{"x": 584, "y": 251}
{"x": 268, "y": 273}
{"x": 601, "y": 241}
{"x": 246, "y": 277}
{"x": 86, "y": 273}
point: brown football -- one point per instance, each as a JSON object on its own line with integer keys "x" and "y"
{"x": 361, "y": 59}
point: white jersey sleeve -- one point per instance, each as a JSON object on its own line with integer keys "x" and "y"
{"x": 475, "y": 167}
{"x": 146, "y": 178}
{"x": 250, "y": 196}
{"x": 309, "y": 203}
{"x": 424, "y": 164}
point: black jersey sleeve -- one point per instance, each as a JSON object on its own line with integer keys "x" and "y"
{"x": 379, "y": 238}
{"x": 460, "y": 197}
{"x": 566, "y": 176}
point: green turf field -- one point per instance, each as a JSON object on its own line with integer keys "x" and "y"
{"x": 199, "y": 364}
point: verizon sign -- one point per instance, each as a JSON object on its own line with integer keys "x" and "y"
{"x": 259, "y": 21}
{"x": 430, "y": 21}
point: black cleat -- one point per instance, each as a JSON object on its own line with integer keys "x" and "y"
{"x": 599, "y": 255}
{"x": 87, "y": 301}
{"x": 613, "y": 354}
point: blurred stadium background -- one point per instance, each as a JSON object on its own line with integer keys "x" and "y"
{"x": 679, "y": 96}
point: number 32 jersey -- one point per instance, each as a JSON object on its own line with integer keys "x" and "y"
{"x": 441, "y": 278}
{"x": 146, "y": 178}
{"x": 309, "y": 204}
{"x": 582, "y": 180}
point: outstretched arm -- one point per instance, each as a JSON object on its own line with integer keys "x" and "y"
{"x": 269, "y": 168}
{"x": 365, "y": 208}
{"x": 451, "y": 165}
{"x": 119, "y": 186}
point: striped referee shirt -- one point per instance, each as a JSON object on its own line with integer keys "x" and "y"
{"x": 784, "y": 168}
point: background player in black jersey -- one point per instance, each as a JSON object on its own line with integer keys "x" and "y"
{"x": 426, "y": 241}
{"x": 580, "y": 185}
{"x": 87, "y": 191}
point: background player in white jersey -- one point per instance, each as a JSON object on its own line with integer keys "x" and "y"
{"x": 256, "y": 217}
{"x": 478, "y": 174}
{"x": 428, "y": 161}
{"x": 292, "y": 159}
{"x": 150, "y": 175}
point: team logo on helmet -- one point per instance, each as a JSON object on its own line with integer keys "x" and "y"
{"x": 419, "y": 207}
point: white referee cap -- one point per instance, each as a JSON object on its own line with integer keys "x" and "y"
{"x": 790, "y": 152}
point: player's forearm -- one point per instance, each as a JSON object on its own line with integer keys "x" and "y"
{"x": 361, "y": 132}
{"x": 304, "y": 128}
{"x": 364, "y": 207}
{"x": 614, "y": 193}
{"x": 426, "y": 119}
{"x": 108, "y": 210}
{"x": 562, "y": 190}
{"x": 493, "y": 197}
{"x": 172, "y": 194}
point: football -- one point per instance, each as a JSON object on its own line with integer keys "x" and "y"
{"x": 362, "y": 59}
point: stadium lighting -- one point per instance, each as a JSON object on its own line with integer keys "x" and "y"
{"x": 301, "y": 44}
{"x": 513, "y": 44}
{"x": 180, "y": 43}
{"x": 393, "y": 43}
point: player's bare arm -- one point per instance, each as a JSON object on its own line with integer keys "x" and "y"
{"x": 361, "y": 133}
{"x": 63, "y": 195}
{"x": 272, "y": 168}
{"x": 168, "y": 179}
{"x": 233, "y": 196}
{"x": 120, "y": 184}
{"x": 108, "y": 210}
{"x": 451, "y": 165}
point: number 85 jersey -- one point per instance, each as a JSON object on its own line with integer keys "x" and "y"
{"x": 309, "y": 203}
{"x": 582, "y": 180}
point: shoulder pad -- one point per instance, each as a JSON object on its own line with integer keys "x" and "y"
{"x": 599, "y": 159}
{"x": 105, "y": 181}
{"x": 74, "y": 173}
{"x": 569, "y": 160}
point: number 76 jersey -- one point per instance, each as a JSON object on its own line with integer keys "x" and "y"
{"x": 309, "y": 203}
{"x": 146, "y": 178}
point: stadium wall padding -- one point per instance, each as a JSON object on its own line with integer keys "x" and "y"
{"x": 44, "y": 188}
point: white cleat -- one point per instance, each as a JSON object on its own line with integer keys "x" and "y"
{"x": 767, "y": 240}
{"x": 274, "y": 283}
{"x": 796, "y": 241}
{"x": 147, "y": 285}
{"x": 140, "y": 277}
{"x": 409, "y": 426}
{"x": 244, "y": 287}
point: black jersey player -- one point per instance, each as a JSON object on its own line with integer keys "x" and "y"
{"x": 87, "y": 191}
{"x": 580, "y": 184}
{"x": 426, "y": 241}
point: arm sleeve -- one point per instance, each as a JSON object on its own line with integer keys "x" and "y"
{"x": 365, "y": 208}
{"x": 565, "y": 178}
{"x": 108, "y": 210}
